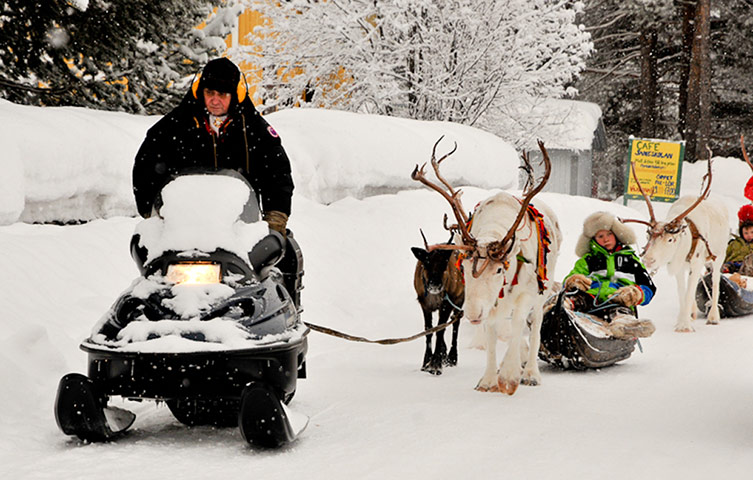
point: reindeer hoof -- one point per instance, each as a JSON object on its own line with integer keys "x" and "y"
{"x": 481, "y": 387}
{"x": 684, "y": 329}
{"x": 434, "y": 370}
{"x": 530, "y": 381}
{"x": 452, "y": 358}
{"x": 507, "y": 387}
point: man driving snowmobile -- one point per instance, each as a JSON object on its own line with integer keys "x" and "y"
{"x": 216, "y": 126}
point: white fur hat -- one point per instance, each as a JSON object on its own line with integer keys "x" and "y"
{"x": 603, "y": 221}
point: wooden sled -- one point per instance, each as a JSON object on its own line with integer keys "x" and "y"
{"x": 576, "y": 340}
{"x": 734, "y": 301}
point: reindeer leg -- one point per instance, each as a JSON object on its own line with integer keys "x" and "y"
{"x": 488, "y": 382}
{"x": 531, "y": 373}
{"x": 713, "y": 316}
{"x": 510, "y": 370}
{"x": 683, "y": 318}
{"x": 696, "y": 269}
{"x": 440, "y": 348}
{"x": 427, "y": 352}
{"x": 452, "y": 358}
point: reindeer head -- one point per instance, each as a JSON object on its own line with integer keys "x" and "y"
{"x": 485, "y": 256}
{"x": 435, "y": 267}
{"x": 664, "y": 237}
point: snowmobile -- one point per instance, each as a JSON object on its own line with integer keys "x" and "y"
{"x": 211, "y": 327}
{"x": 734, "y": 300}
{"x": 577, "y": 340}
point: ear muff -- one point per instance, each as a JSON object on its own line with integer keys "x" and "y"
{"x": 241, "y": 90}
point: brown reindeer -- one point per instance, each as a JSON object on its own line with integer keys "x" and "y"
{"x": 439, "y": 287}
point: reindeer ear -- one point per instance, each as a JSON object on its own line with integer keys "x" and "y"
{"x": 421, "y": 254}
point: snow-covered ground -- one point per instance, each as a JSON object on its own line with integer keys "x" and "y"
{"x": 679, "y": 409}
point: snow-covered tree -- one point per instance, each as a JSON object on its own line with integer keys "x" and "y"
{"x": 426, "y": 59}
{"x": 109, "y": 54}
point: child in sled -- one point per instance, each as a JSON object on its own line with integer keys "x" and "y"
{"x": 609, "y": 280}
{"x": 740, "y": 246}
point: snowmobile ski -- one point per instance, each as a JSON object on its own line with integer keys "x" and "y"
{"x": 82, "y": 411}
{"x": 263, "y": 419}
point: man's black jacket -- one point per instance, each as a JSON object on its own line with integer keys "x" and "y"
{"x": 182, "y": 141}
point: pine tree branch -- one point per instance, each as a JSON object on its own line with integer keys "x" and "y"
{"x": 42, "y": 90}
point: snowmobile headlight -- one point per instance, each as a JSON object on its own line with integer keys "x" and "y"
{"x": 194, "y": 272}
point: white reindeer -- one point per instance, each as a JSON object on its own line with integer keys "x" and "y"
{"x": 695, "y": 233}
{"x": 504, "y": 282}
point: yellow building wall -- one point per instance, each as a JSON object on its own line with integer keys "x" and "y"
{"x": 247, "y": 21}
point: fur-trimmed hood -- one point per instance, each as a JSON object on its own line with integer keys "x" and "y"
{"x": 602, "y": 221}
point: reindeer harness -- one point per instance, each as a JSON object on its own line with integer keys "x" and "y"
{"x": 537, "y": 219}
{"x": 696, "y": 235}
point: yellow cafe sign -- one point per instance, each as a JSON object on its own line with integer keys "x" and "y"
{"x": 658, "y": 165}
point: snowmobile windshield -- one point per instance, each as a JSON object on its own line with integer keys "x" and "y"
{"x": 251, "y": 211}
{"x": 202, "y": 213}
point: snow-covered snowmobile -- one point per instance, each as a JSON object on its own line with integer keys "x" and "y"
{"x": 212, "y": 326}
{"x": 734, "y": 300}
{"x": 575, "y": 340}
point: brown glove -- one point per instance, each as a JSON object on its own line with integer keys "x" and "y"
{"x": 577, "y": 282}
{"x": 628, "y": 296}
{"x": 277, "y": 220}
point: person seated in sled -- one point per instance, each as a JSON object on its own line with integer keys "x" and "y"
{"x": 608, "y": 281}
{"x": 740, "y": 246}
{"x": 216, "y": 126}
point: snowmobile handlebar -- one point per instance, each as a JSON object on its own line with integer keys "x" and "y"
{"x": 268, "y": 251}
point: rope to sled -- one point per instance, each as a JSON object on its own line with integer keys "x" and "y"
{"x": 384, "y": 341}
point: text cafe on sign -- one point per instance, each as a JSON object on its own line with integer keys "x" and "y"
{"x": 658, "y": 165}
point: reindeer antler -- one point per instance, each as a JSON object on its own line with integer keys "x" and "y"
{"x": 647, "y": 198}
{"x": 674, "y": 225}
{"x": 453, "y": 197}
{"x": 499, "y": 249}
{"x": 426, "y": 244}
{"x": 745, "y": 154}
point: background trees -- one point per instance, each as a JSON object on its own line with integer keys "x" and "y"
{"x": 114, "y": 55}
{"x": 675, "y": 69}
{"x": 427, "y": 59}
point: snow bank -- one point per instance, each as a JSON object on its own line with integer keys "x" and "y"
{"x": 339, "y": 154}
{"x": 68, "y": 163}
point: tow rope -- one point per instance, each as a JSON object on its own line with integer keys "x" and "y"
{"x": 384, "y": 341}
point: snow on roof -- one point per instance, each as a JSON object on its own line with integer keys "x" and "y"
{"x": 559, "y": 123}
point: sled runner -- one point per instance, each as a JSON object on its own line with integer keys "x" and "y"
{"x": 212, "y": 326}
{"x": 576, "y": 340}
{"x": 734, "y": 300}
